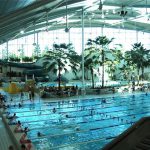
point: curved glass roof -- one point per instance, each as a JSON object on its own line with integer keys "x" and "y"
{"x": 40, "y": 15}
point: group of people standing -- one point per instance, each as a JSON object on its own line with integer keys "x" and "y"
{"x": 31, "y": 95}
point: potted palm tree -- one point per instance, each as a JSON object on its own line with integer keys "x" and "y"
{"x": 60, "y": 59}
{"x": 91, "y": 61}
{"x": 101, "y": 45}
{"x": 141, "y": 57}
{"x": 138, "y": 57}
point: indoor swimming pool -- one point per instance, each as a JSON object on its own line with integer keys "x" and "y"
{"x": 82, "y": 124}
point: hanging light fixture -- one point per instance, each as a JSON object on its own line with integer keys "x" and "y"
{"x": 47, "y": 22}
{"x": 22, "y": 31}
{"x": 67, "y": 28}
{"x": 100, "y": 7}
{"x": 146, "y": 13}
{"x": 123, "y": 12}
{"x": 34, "y": 43}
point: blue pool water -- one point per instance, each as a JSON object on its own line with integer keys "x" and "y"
{"x": 81, "y": 124}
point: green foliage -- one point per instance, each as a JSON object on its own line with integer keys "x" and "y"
{"x": 37, "y": 57}
{"x": 139, "y": 57}
{"x": 102, "y": 40}
{"x": 37, "y": 50}
{"x": 114, "y": 62}
{"x": 62, "y": 55}
{"x": 27, "y": 59}
{"x": 61, "y": 58}
{"x": 14, "y": 59}
{"x": 96, "y": 54}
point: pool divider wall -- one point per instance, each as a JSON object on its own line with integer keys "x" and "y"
{"x": 15, "y": 137}
{"x": 135, "y": 132}
{"x": 99, "y": 91}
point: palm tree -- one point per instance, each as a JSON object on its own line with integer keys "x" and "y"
{"x": 91, "y": 61}
{"x": 128, "y": 66}
{"x": 114, "y": 61}
{"x": 102, "y": 43}
{"x": 62, "y": 58}
{"x": 140, "y": 57}
{"x": 98, "y": 51}
{"x": 125, "y": 71}
{"x": 111, "y": 69}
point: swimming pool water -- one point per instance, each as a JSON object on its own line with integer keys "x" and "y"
{"x": 81, "y": 124}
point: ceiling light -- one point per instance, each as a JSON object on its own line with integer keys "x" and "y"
{"x": 66, "y": 29}
{"x": 123, "y": 12}
{"x": 103, "y": 16}
{"x": 22, "y": 31}
{"x": 114, "y": 11}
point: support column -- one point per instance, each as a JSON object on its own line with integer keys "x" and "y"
{"x": 69, "y": 36}
{"x": 83, "y": 82}
{"x": 22, "y": 51}
{"x": 102, "y": 31}
{"x": 37, "y": 40}
{"x": 7, "y": 50}
{"x": 137, "y": 36}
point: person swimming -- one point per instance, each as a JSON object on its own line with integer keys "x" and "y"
{"x": 39, "y": 134}
{"x": 77, "y": 128}
{"x": 26, "y": 129}
{"x": 19, "y": 105}
{"x": 54, "y": 110}
{"x": 67, "y": 116}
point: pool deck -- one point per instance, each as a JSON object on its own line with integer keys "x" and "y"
{"x": 86, "y": 96}
{"x": 14, "y": 137}
{"x": 5, "y": 139}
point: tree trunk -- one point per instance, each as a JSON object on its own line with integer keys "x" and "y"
{"x": 103, "y": 58}
{"x": 59, "y": 75}
{"x": 138, "y": 74}
{"x": 92, "y": 74}
{"x": 87, "y": 75}
{"x": 10, "y": 72}
{"x": 142, "y": 73}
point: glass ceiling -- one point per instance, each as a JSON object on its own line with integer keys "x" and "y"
{"x": 37, "y": 15}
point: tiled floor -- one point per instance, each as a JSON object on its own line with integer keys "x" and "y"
{"x": 5, "y": 140}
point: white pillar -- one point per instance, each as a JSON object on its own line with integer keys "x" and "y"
{"x": 37, "y": 38}
{"x": 69, "y": 36}
{"x": 102, "y": 31}
{"x": 83, "y": 82}
{"x": 7, "y": 50}
{"x": 137, "y": 36}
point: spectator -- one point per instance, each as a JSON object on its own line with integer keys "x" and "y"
{"x": 10, "y": 147}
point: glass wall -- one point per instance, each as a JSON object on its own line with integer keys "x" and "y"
{"x": 24, "y": 46}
